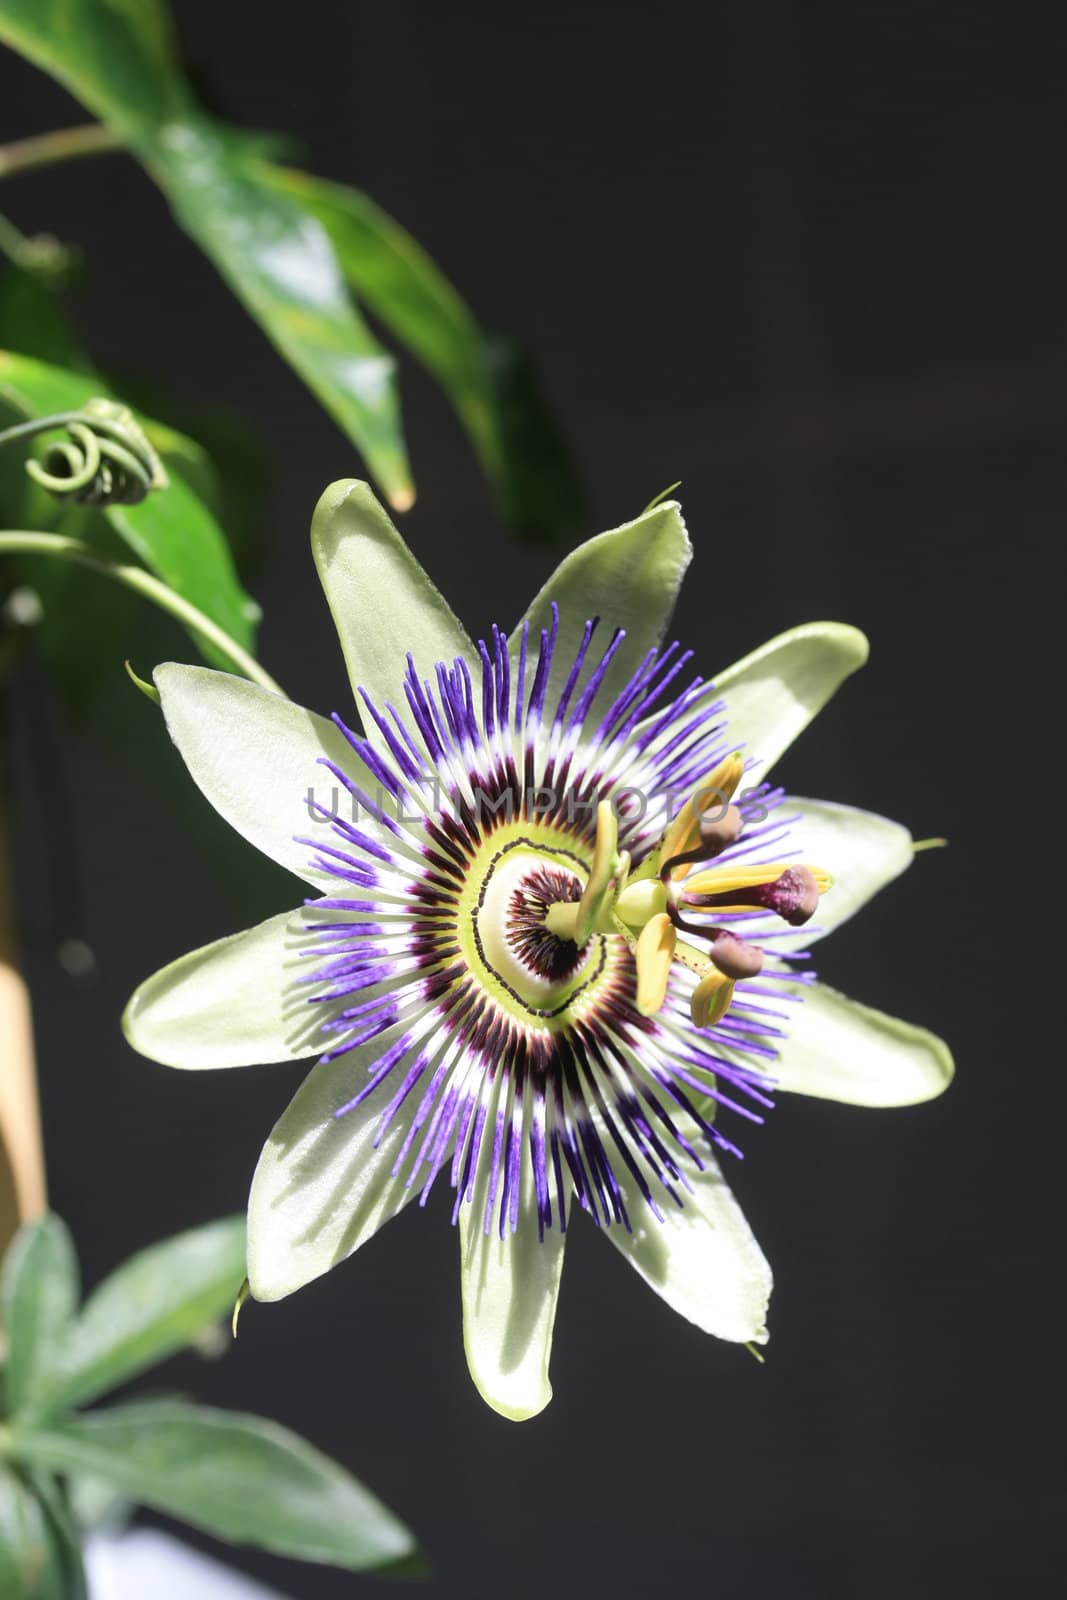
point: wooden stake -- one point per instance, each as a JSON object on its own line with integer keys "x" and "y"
{"x": 22, "y": 1181}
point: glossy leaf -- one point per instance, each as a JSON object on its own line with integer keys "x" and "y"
{"x": 151, "y": 1306}
{"x": 32, "y": 320}
{"x": 172, "y": 532}
{"x": 39, "y": 1292}
{"x": 115, "y": 56}
{"x": 39, "y": 1560}
{"x": 280, "y": 263}
{"x": 487, "y": 378}
{"x": 239, "y": 1477}
{"x": 277, "y": 258}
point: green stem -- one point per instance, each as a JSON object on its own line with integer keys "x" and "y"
{"x": 64, "y": 144}
{"x": 27, "y": 430}
{"x": 136, "y": 578}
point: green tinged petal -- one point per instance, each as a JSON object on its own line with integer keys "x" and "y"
{"x": 510, "y": 1290}
{"x": 837, "y": 1049}
{"x": 772, "y": 694}
{"x": 255, "y": 755}
{"x": 703, "y": 1259}
{"x": 382, "y": 602}
{"x": 323, "y": 1187}
{"x": 629, "y": 578}
{"x": 860, "y": 850}
{"x": 234, "y": 1003}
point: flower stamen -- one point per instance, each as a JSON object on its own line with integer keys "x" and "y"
{"x": 702, "y": 829}
{"x": 792, "y": 892}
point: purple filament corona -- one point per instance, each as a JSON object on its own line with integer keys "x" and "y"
{"x": 529, "y": 1109}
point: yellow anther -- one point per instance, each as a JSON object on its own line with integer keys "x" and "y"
{"x": 606, "y": 868}
{"x": 655, "y": 951}
{"x": 729, "y": 878}
{"x": 711, "y": 998}
{"x": 791, "y": 891}
{"x": 712, "y": 793}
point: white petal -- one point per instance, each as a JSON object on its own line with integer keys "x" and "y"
{"x": 321, "y": 1188}
{"x": 862, "y": 852}
{"x": 839, "y": 1050}
{"x": 510, "y": 1289}
{"x": 629, "y": 578}
{"x": 233, "y": 1003}
{"x": 703, "y": 1260}
{"x": 772, "y": 694}
{"x": 255, "y": 756}
{"x": 383, "y": 603}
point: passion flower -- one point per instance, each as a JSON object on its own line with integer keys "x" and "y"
{"x": 552, "y": 961}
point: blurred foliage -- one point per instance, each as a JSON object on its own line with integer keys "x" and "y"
{"x": 488, "y": 378}
{"x": 291, "y": 246}
{"x": 239, "y": 1477}
{"x": 82, "y": 645}
{"x": 173, "y": 533}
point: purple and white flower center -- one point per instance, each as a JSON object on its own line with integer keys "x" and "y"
{"x": 533, "y": 965}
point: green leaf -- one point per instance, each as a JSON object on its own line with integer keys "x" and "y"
{"x": 279, "y": 262}
{"x": 32, "y": 320}
{"x": 487, "y": 378}
{"x": 97, "y": 1505}
{"x": 39, "y": 1291}
{"x": 239, "y": 1477}
{"x": 225, "y": 461}
{"x": 39, "y": 1560}
{"x": 153, "y": 1305}
{"x": 115, "y": 56}
{"x": 172, "y": 532}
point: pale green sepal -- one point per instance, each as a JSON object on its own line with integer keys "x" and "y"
{"x": 235, "y": 1003}
{"x": 629, "y": 578}
{"x": 382, "y": 602}
{"x": 860, "y": 850}
{"x": 255, "y": 755}
{"x": 837, "y": 1049}
{"x": 321, "y": 1189}
{"x": 702, "y": 1259}
{"x": 510, "y": 1290}
{"x": 772, "y": 694}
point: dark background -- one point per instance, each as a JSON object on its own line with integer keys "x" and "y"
{"x": 811, "y": 260}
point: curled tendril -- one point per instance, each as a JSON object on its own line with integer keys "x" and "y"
{"x": 105, "y": 460}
